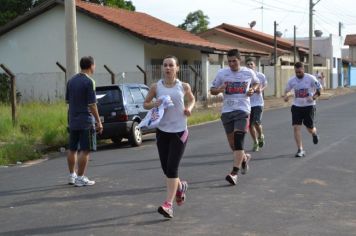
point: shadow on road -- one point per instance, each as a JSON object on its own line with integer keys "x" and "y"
{"x": 90, "y": 225}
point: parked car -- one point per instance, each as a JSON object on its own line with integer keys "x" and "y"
{"x": 121, "y": 110}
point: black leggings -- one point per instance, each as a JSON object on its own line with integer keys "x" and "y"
{"x": 170, "y": 151}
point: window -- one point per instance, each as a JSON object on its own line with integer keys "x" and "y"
{"x": 334, "y": 62}
{"x": 137, "y": 95}
{"x": 144, "y": 92}
{"x": 128, "y": 95}
{"x": 108, "y": 96}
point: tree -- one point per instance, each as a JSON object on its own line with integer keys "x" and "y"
{"x": 195, "y": 22}
{"x": 116, "y": 3}
{"x": 10, "y": 9}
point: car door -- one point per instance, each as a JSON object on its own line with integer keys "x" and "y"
{"x": 131, "y": 107}
{"x": 138, "y": 100}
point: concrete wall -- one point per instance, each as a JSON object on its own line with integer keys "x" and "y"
{"x": 159, "y": 51}
{"x": 353, "y": 76}
{"x": 284, "y": 73}
{"x": 32, "y": 87}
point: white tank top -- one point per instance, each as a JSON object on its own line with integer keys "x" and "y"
{"x": 173, "y": 120}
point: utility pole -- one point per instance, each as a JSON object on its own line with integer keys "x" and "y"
{"x": 295, "y": 43}
{"x": 275, "y": 60}
{"x": 71, "y": 38}
{"x": 262, "y": 15}
{"x": 340, "y": 26}
{"x": 311, "y": 58}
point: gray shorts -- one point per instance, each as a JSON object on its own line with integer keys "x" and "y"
{"x": 256, "y": 115}
{"x": 235, "y": 120}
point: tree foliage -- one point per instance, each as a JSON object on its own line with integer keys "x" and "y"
{"x": 128, "y": 5}
{"x": 10, "y": 9}
{"x": 195, "y": 22}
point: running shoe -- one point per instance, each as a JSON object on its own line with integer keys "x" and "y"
{"x": 71, "y": 179}
{"x": 315, "y": 138}
{"x": 300, "y": 153}
{"x": 81, "y": 181}
{"x": 244, "y": 166}
{"x": 255, "y": 147}
{"x": 180, "y": 194}
{"x": 166, "y": 210}
{"x": 261, "y": 141}
{"x": 232, "y": 179}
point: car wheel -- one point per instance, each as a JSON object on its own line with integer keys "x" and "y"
{"x": 116, "y": 140}
{"x": 136, "y": 135}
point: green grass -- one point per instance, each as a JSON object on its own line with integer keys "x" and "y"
{"x": 38, "y": 125}
{"x": 203, "y": 115}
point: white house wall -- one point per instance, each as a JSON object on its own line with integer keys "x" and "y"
{"x": 35, "y": 47}
{"x": 32, "y": 49}
{"x": 159, "y": 51}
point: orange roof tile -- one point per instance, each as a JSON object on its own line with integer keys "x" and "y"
{"x": 148, "y": 27}
{"x": 258, "y": 37}
{"x": 350, "y": 40}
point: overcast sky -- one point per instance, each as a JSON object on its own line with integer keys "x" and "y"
{"x": 287, "y": 13}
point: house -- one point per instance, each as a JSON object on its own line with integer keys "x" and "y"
{"x": 327, "y": 53}
{"x": 124, "y": 41}
{"x": 350, "y": 40}
{"x": 236, "y": 36}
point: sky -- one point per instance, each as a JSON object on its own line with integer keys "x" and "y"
{"x": 287, "y": 13}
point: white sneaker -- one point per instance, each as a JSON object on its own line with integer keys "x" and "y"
{"x": 72, "y": 177}
{"x": 245, "y": 167}
{"x": 232, "y": 179}
{"x": 83, "y": 181}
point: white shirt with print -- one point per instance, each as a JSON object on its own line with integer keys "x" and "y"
{"x": 237, "y": 85}
{"x": 304, "y": 89}
{"x": 257, "y": 98}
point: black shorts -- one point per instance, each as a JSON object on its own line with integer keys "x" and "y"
{"x": 82, "y": 140}
{"x": 303, "y": 115}
{"x": 256, "y": 115}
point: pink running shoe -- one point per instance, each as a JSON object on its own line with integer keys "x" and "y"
{"x": 180, "y": 195}
{"x": 166, "y": 210}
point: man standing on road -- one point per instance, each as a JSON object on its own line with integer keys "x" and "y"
{"x": 82, "y": 114}
{"x": 237, "y": 85}
{"x": 257, "y": 104}
{"x": 306, "y": 89}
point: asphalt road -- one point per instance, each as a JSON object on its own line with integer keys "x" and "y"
{"x": 281, "y": 195}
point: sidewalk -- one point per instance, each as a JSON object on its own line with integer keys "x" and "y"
{"x": 273, "y": 102}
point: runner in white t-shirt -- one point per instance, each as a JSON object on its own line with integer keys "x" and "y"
{"x": 257, "y": 104}
{"x": 306, "y": 89}
{"x": 237, "y": 84}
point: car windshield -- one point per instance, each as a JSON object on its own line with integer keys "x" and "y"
{"x": 108, "y": 96}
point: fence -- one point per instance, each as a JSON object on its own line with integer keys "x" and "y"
{"x": 187, "y": 73}
{"x": 50, "y": 87}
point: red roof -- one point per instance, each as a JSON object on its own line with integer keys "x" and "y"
{"x": 350, "y": 40}
{"x": 148, "y": 27}
{"x": 257, "y": 37}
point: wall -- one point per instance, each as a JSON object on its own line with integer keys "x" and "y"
{"x": 284, "y": 73}
{"x": 353, "y": 76}
{"x": 34, "y": 47}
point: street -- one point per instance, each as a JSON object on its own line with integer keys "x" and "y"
{"x": 280, "y": 195}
